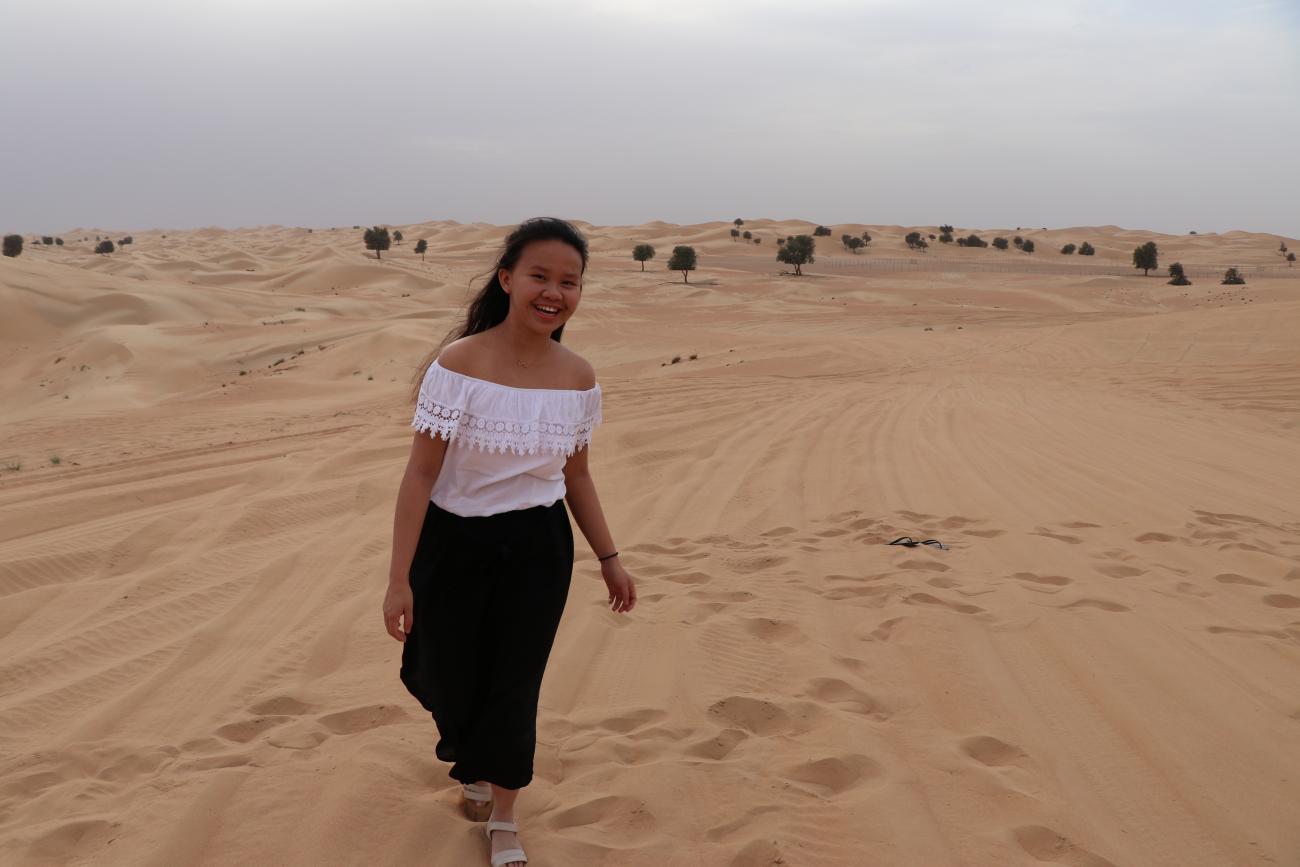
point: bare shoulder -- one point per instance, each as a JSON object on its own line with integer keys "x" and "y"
{"x": 461, "y": 356}
{"x": 578, "y": 370}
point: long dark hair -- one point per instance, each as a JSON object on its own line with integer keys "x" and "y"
{"x": 490, "y": 306}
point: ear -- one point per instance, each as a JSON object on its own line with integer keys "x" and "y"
{"x": 503, "y": 275}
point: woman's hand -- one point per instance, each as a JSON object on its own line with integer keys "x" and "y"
{"x": 398, "y": 604}
{"x": 622, "y": 588}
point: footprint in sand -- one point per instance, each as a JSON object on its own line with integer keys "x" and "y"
{"x": 1119, "y": 570}
{"x": 1154, "y": 537}
{"x": 924, "y": 565}
{"x": 990, "y": 751}
{"x": 717, "y": 747}
{"x": 1103, "y": 604}
{"x": 1282, "y": 600}
{"x": 1060, "y": 537}
{"x": 885, "y": 631}
{"x": 835, "y": 774}
{"x": 984, "y": 534}
{"x": 1261, "y": 633}
{"x": 1049, "y": 580}
{"x": 1044, "y": 844}
{"x": 613, "y": 817}
{"x": 773, "y": 630}
{"x": 927, "y": 599}
{"x": 762, "y": 716}
{"x": 1234, "y": 578}
{"x": 1079, "y": 525}
{"x": 833, "y": 691}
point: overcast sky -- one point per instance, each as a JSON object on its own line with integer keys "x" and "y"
{"x": 1170, "y": 115}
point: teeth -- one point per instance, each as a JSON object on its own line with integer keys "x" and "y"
{"x": 547, "y": 309}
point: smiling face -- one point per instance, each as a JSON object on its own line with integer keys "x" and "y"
{"x": 548, "y": 274}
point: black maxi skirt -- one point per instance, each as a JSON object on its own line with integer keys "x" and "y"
{"x": 488, "y": 594}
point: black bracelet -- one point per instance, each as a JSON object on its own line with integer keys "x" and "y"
{"x": 607, "y": 556}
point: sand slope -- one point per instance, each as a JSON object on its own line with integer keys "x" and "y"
{"x": 1102, "y": 670}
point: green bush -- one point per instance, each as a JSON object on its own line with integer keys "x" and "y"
{"x": 735, "y": 233}
{"x": 1027, "y": 246}
{"x": 1086, "y": 249}
{"x": 797, "y": 251}
{"x": 1068, "y": 249}
{"x": 1232, "y": 277}
{"x": 643, "y": 253}
{"x": 821, "y": 231}
{"x": 683, "y": 259}
{"x": 377, "y": 239}
{"x": 1179, "y": 277}
{"x": 13, "y": 245}
{"x": 104, "y": 247}
{"x": 1000, "y": 243}
{"x": 1144, "y": 257}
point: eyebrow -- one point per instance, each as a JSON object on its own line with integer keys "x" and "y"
{"x": 543, "y": 268}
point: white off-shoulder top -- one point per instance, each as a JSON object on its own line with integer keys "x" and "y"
{"x": 507, "y": 446}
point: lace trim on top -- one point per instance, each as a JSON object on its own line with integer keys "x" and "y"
{"x": 498, "y": 418}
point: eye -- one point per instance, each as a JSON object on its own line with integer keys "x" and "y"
{"x": 539, "y": 277}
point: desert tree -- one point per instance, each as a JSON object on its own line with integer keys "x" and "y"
{"x": 922, "y": 244}
{"x": 1086, "y": 249}
{"x": 13, "y": 245}
{"x": 855, "y": 244}
{"x": 58, "y": 242}
{"x": 945, "y": 237}
{"x": 911, "y": 238}
{"x": 421, "y": 247}
{"x": 758, "y": 240}
{"x": 1027, "y": 246}
{"x": 127, "y": 240}
{"x": 866, "y": 238}
{"x": 1144, "y": 257}
{"x": 1232, "y": 277}
{"x": 738, "y": 222}
{"x": 397, "y": 236}
{"x": 747, "y": 235}
{"x": 735, "y": 233}
{"x": 1068, "y": 249}
{"x": 1281, "y": 247}
{"x": 1018, "y": 241}
{"x": 821, "y": 231}
{"x": 973, "y": 240}
{"x": 1178, "y": 277}
{"x": 105, "y": 247}
{"x": 683, "y": 259}
{"x": 376, "y": 239}
{"x": 797, "y": 251}
{"x": 1290, "y": 259}
{"x": 643, "y": 253}
{"x": 48, "y": 240}
{"x": 1000, "y": 243}
{"x": 946, "y": 230}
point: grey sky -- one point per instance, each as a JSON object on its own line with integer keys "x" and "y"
{"x": 1162, "y": 115}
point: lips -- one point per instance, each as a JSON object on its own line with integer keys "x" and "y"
{"x": 544, "y": 314}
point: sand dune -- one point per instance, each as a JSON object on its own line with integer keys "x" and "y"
{"x": 1102, "y": 668}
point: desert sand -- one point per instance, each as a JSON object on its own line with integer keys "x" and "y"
{"x": 1103, "y": 668}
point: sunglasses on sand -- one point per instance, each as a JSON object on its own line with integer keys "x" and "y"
{"x": 912, "y": 543}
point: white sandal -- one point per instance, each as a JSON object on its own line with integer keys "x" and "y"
{"x": 509, "y": 855}
{"x": 477, "y": 802}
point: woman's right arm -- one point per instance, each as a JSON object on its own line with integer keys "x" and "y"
{"x": 422, "y": 469}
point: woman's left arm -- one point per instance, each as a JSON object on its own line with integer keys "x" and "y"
{"x": 580, "y": 494}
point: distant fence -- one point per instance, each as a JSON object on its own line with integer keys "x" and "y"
{"x": 1021, "y": 264}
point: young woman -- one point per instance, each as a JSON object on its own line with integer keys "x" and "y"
{"x": 482, "y": 546}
